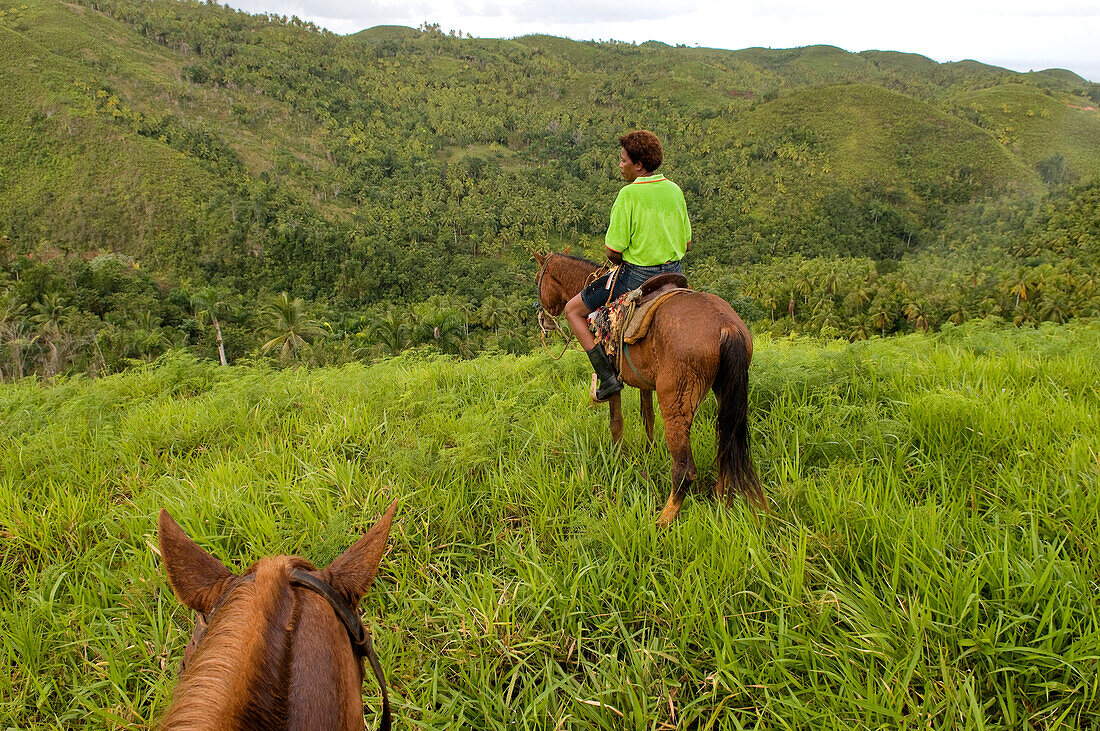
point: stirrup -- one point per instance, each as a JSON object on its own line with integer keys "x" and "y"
{"x": 594, "y": 390}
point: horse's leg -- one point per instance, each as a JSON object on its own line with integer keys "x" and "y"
{"x": 678, "y": 401}
{"x": 678, "y": 436}
{"x": 647, "y": 415}
{"x": 615, "y": 410}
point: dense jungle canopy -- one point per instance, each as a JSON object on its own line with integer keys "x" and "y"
{"x": 184, "y": 174}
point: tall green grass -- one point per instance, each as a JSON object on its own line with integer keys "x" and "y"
{"x": 930, "y": 563}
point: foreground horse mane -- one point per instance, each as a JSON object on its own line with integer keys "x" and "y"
{"x": 240, "y": 683}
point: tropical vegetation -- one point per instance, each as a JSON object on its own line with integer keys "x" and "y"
{"x": 153, "y": 151}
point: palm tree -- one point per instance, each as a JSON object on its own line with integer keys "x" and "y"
{"x": 859, "y": 332}
{"x": 289, "y": 325}
{"x": 210, "y": 302}
{"x": 146, "y": 337}
{"x": 828, "y": 278}
{"x": 860, "y": 294}
{"x": 881, "y": 315}
{"x": 914, "y": 312}
{"x": 1055, "y": 307}
{"x": 13, "y": 328}
{"x": 444, "y": 328}
{"x": 392, "y": 330}
{"x": 51, "y": 314}
{"x": 51, "y": 317}
{"x": 1021, "y": 285}
{"x": 519, "y": 308}
{"x": 767, "y": 298}
{"x": 491, "y": 313}
{"x": 823, "y": 309}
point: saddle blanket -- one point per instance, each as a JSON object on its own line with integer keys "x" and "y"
{"x": 627, "y": 319}
{"x": 607, "y": 322}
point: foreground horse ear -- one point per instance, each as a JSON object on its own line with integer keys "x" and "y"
{"x": 197, "y": 577}
{"x": 353, "y": 570}
{"x": 538, "y": 257}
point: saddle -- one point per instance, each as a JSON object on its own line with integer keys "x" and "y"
{"x": 637, "y": 327}
{"x": 660, "y": 283}
{"x": 627, "y": 319}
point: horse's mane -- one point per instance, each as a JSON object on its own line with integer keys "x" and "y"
{"x": 244, "y": 657}
{"x": 577, "y": 258}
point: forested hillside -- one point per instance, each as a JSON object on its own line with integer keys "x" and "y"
{"x": 169, "y": 168}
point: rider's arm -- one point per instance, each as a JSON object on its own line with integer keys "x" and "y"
{"x": 618, "y": 229}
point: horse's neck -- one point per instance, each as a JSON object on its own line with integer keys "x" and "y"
{"x": 573, "y": 275}
{"x": 245, "y": 674}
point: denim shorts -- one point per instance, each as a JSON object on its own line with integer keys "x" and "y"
{"x": 628, "y": 277}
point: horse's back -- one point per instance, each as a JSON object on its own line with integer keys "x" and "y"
{"x": 699, "y": 322}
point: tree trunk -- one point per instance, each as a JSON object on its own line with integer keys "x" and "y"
{"x": 221, "y": 346}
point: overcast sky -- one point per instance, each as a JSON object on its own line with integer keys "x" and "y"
{"x": 1021, "y": 35}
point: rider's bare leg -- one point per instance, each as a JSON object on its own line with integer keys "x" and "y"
{"x": 576, "y": 313}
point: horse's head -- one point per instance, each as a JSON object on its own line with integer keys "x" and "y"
{"x": 552, "y": 292}
{"x": 281, "y": 619}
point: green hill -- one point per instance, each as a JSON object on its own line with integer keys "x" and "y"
{"x": 386, "y": 33}
{"x": 1064, "y": 75}
{"x": 818, "y": 159}
{"x": 1038, "y": 127}
{"x": 378, "y": 170}
{"x": 74, "y": 178}
{"x": 806, "y": 63}
{"x": 864, "y": 134}
{"x": 971, "y": 66}
{"x": 905, "y": 62}
{"x": 248, "y": 142}
{"x": 110, "y": 150}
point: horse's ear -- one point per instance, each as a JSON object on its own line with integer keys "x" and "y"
{"x": 197, "y": 577}
{"x": 568, "y": 249}
{"x": 538, "y": 257}
{"x": 353, "y": 570}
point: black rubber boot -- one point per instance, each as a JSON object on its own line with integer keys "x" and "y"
{"x": 609, "y": 381}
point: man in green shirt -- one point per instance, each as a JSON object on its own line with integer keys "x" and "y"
{"x": 648, "y": 235}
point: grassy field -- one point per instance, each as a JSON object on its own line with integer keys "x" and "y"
{"x": 931, "y": 561}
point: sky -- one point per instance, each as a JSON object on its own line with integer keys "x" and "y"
{"x": 1022, "y": 36}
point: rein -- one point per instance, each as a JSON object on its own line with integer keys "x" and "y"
{"x": 361, "y": 643}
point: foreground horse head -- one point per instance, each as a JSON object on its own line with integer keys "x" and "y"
{"x": 696, "y": 343}
{"x": 271, "y": 646}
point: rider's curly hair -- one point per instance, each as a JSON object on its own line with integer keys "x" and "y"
{"x": 643, "y": 148}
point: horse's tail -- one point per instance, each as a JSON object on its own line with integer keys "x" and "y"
{"x": 731, "y": 388}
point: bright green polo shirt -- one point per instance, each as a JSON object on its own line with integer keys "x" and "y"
{"x": 649, "y": 222}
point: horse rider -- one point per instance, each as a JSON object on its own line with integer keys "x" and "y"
{"x": 648, "y": 235}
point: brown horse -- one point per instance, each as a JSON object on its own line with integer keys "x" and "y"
{"x": 270, "y": 648}
{"x": 696, "y": 342}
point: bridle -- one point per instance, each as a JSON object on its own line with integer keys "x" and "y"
{"x": 548, "y": 323}
{"x": 361, "y": 643}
